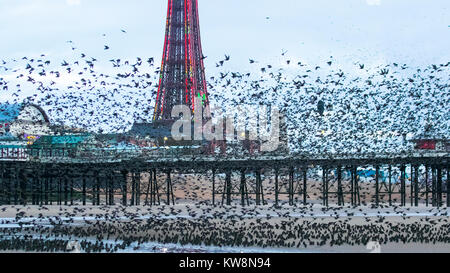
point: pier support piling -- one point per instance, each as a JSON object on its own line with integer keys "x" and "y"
{"x": 305, "y": 185}
{"x": 416, "y": 186}
{"x": 276, "y": 186}
{"x": 213, "y": 187}
{"x": 228, "y": 186}
{"x": 242, "y": 187}
{"x": 340, "y": 191}
{"x": 291, "y": 186}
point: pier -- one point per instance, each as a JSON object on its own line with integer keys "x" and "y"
{"x": 124, "y": 177}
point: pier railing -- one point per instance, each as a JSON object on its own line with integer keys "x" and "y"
{"x": 174, "y": 154}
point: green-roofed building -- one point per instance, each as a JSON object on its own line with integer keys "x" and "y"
{"x": 57, "y": 146}
{"x": 60, "y": 141}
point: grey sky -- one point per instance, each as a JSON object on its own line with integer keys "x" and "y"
{"x": 416, "y": 32}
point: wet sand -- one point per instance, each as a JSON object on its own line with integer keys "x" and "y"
{"x": 233, "y": 228}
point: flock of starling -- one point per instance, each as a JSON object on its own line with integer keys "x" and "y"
{"x": 328, "y": 110}
{"x": 112, "y": 229}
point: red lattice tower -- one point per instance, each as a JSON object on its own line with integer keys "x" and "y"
{"x": 182, "y": 76}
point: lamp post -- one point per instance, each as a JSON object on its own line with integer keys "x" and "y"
{"x": 165, "y": 148}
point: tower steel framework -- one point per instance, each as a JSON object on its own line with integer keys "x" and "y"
{"x": 182, "y": 76}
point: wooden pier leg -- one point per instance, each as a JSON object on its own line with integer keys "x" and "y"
{"x": 401, "y": 185}
{"x": 258, "y": 188}
{"x": 172, "y": 193}
{"x": 8, "y": 186}
{"x": 59, "y": 199}
{"x": 439, "y": 186}
{"x": 106, "y": 188}
{"x": 305, "y": 185}
{"x": 28, "y": 187}
{"x": 390, "y": 185}
{"x": 242, "y": 187}
{"x": 427, "y": 187}
{"x": 152, "y": 188}
{"x": 35, "y": 176}
{"x": 66, "y": 189}
{"x": 276, "y": 186}
{"x": 40, "y": 179}
{"x": 52, "y": 188}
{"x": 46, "y": 188}
{"x": 136, "y": 176}
{"x": 214, "y": 187}
{"x": 246, "y": 194}
{"x": 328, "y": 188}
{"x": 111, "y": 189}
{"x": 92, "y": 187}
{"x": 16, "y": 187}
{"x": 5, "y": 187}
{"x": 448, "y": 187}
{"x": 124, "y": 187}
{"x": 40, "y": 186}
{"x": 138, "y": 189}
{"x": 168, "y": 187}
{"x": 224, "y": 189}
{"x": 5, "y": 190}
{"x": 377, "y": 185}
{"x": 228, "y": 185}
{"x": 324, "y": 195}
{"x": 149, "y": 186}
{"x": 116, "y": 184}
{"x": 416, "y": 186}
{"x": 71, "y": 178}
{"x": 291, "y": 186}
{"x": 157, "y": 188}
{"x": 412, "y": 186}
{"x": 84, "y": 190}
{"x": 402, "y": 179}
{"x": 33, "y": 189}
{"x": 93, "y": 182}
{"x": 340, "y": 191}
{"x": 13, "y": 182}
{"x": 8, "y": 196}
{"x": 42, "y": 189}
{"x": 433, "y": 186}
{"x": 32, "y": 180}
{"x": 357, "y": 195}
{"x": 97, "y": 191}
{"x": 133, "y": 188}
{"x": 39, "y": 191}
{"x": 352, "y": 188}
{"x": 262, "y": 188}
{"x": 2, "y": 187}
{"x": 22, "y": 186}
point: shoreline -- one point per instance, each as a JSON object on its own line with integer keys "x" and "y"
{"x": 201, "y": 228}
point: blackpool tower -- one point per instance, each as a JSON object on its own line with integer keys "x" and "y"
{"x": 182, "y": 75}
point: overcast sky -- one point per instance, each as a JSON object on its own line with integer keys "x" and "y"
{"x": 416, "y": 32}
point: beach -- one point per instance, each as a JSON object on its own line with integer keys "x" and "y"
{"x": 203, "y": 228}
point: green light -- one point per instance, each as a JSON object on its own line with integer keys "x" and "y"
{"x": 202, "y": 98}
